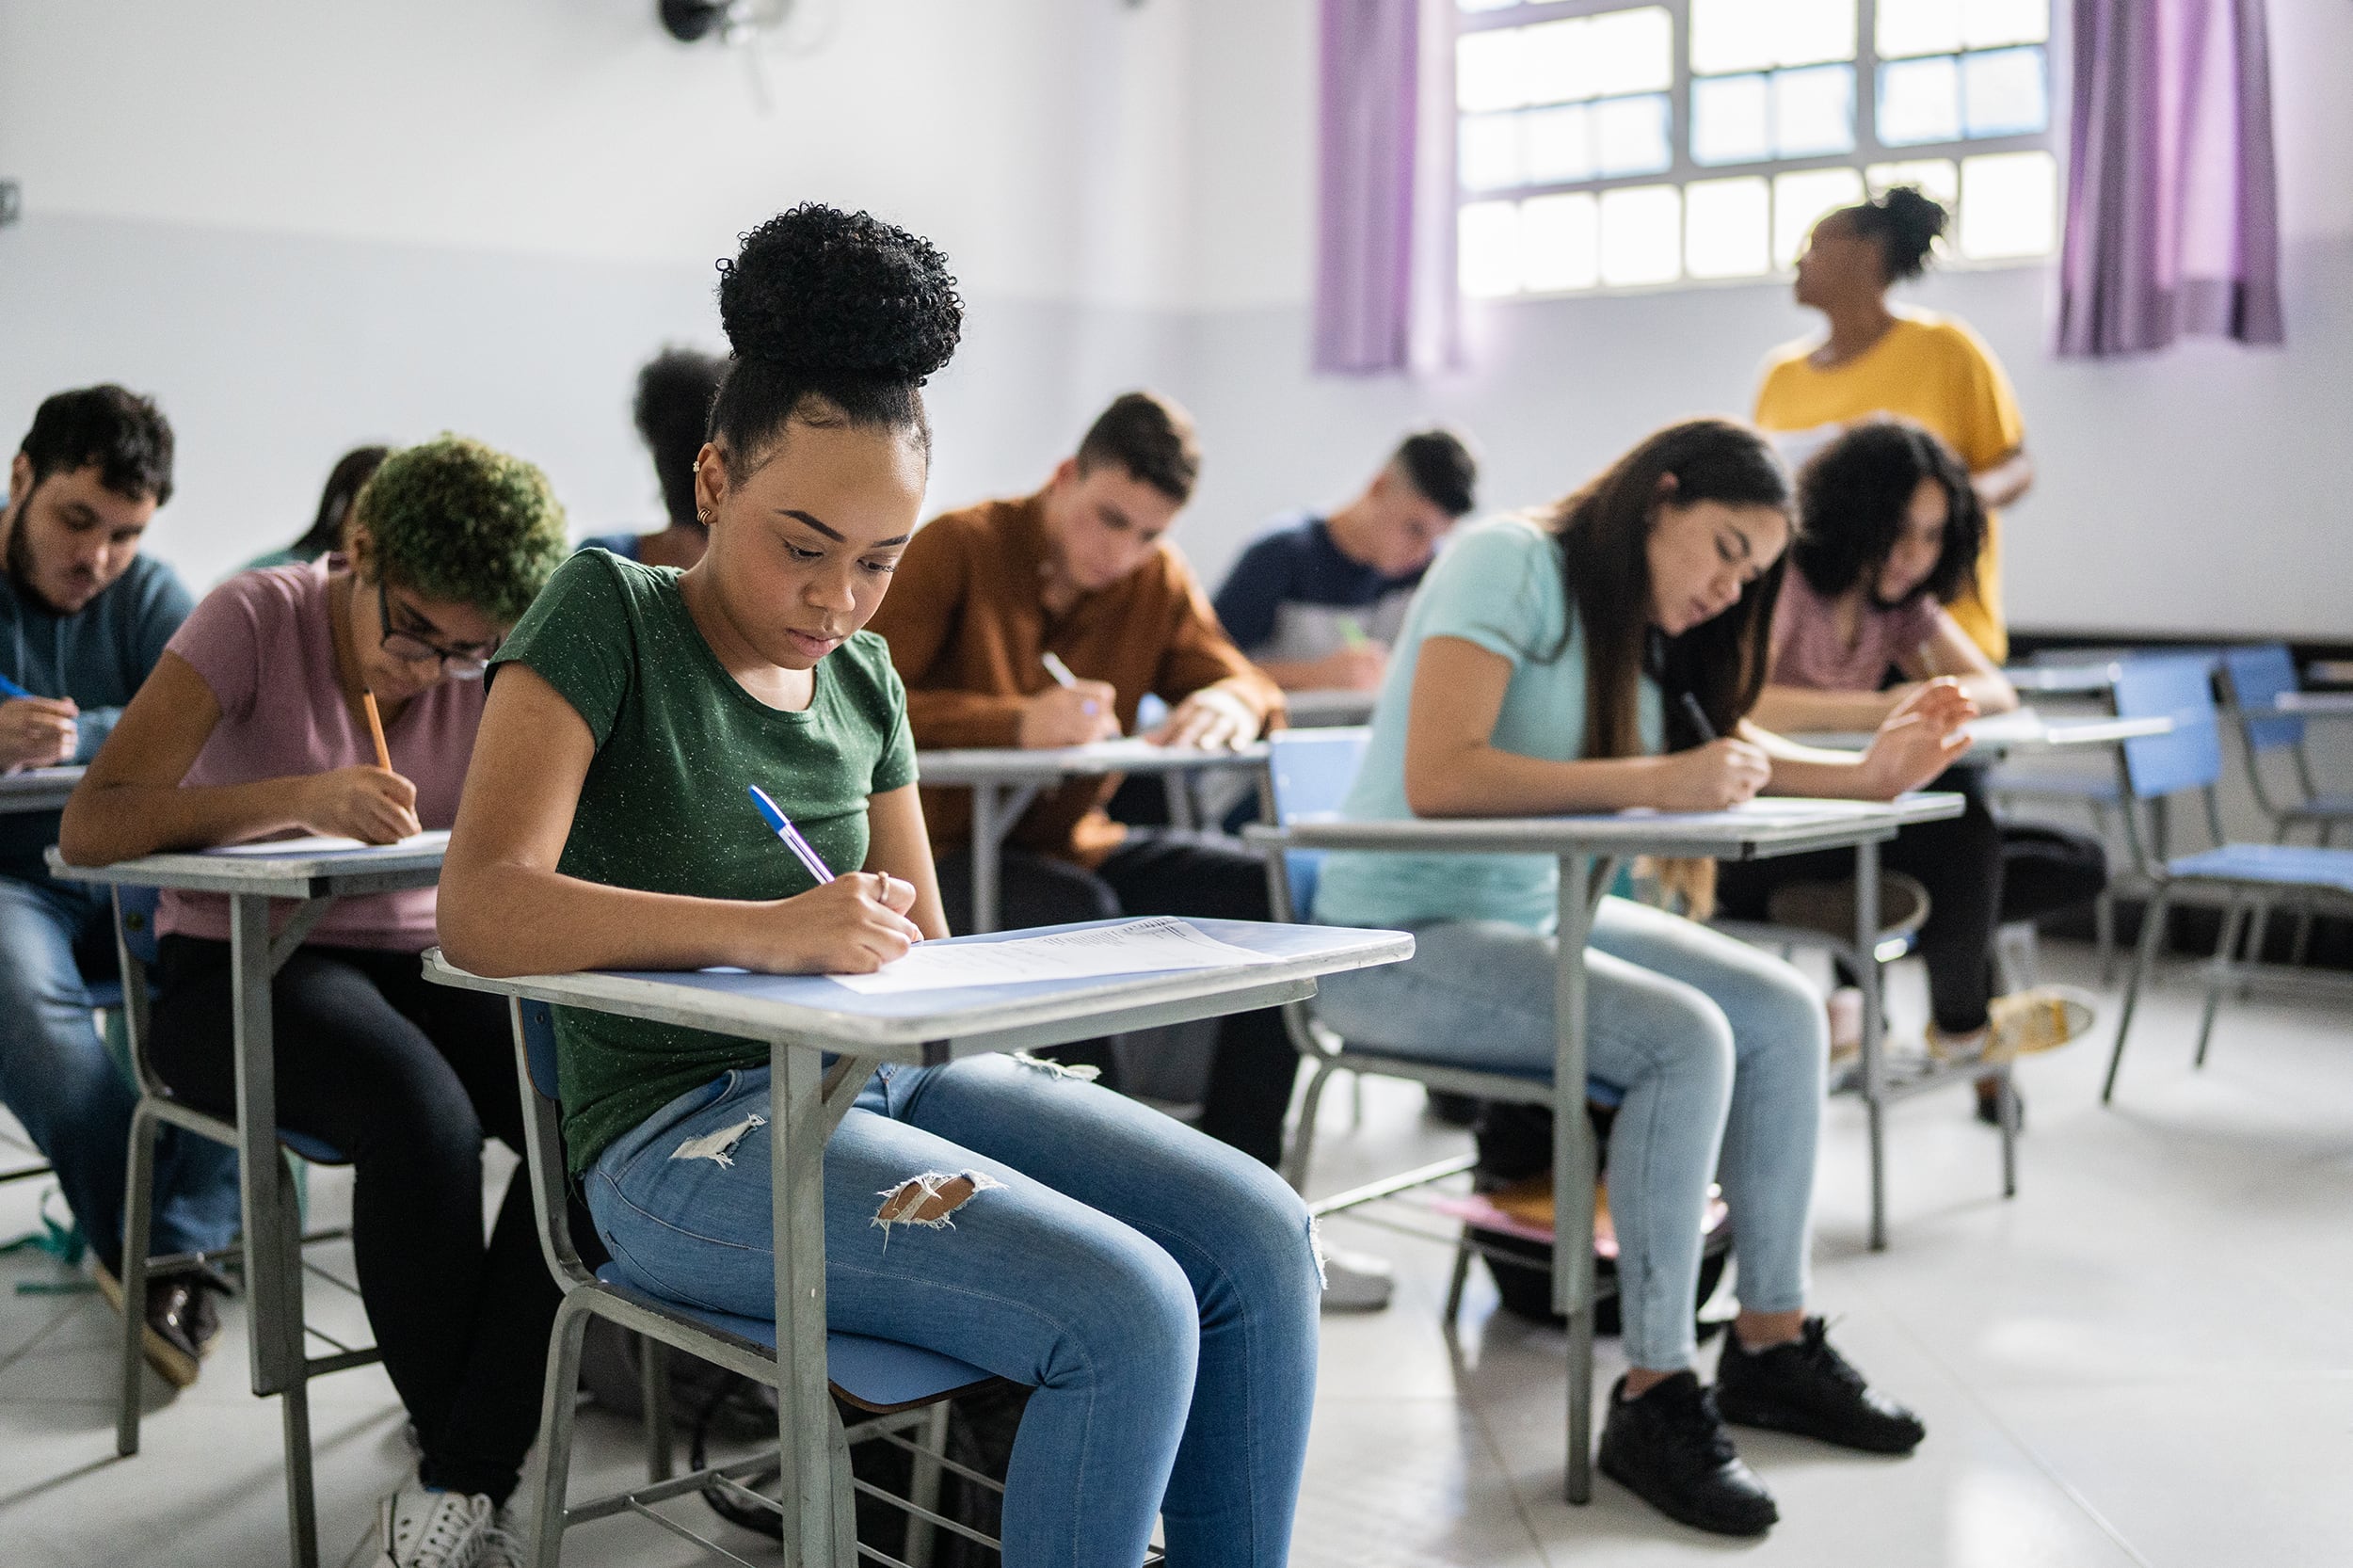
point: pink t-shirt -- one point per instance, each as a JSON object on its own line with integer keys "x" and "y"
{"x": 1809, "y": 652}
{"x": 263, "y": 643}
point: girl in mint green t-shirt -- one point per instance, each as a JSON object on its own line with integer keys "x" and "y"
{"x": 1156, "y": 1289}
{"x": 1550, "y": 664}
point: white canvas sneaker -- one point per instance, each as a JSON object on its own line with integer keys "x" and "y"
{"x": 417, "y": 1528}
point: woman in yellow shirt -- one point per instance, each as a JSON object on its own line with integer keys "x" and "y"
{"x": 1923, "y": 366}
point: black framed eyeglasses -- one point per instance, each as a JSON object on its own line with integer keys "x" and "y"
{"x": 465, "y": 662}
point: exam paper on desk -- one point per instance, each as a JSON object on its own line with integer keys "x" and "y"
{"x": 322, "y": 844}
{"x": 1135, "y": 946}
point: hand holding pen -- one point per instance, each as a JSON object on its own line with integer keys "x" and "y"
{"x": 855, "y": 923}
{"x": 35, "y": 731}
{"x": 1718, "y": 773}
{"x": 1069, "y": 712}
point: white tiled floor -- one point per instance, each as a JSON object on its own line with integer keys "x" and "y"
{"x": 2146, "y": 1358}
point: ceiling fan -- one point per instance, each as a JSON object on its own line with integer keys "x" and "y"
{"x": 754, "y": 28}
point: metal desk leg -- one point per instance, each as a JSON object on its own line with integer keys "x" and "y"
{"x": 1867, "y": 941}
{"x": 804, "y": 1407}
{"x": 275, "y": 1292}
{"x": 1573, "y": 1169}
{"x": 987, "y": 841}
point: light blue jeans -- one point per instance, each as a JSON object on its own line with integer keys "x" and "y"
{"x": 1717, "y": 1047}
{"x": 1156, "y": 1288}
{"x": 56, "y": 1077}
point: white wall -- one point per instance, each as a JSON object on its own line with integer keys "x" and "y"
{"x": 2195, "y": 492}
{"x": 307, "y": 226}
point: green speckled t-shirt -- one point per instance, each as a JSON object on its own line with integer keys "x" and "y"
{"x": 666, "y": 806}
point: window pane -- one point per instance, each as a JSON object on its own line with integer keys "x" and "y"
{"x": 1631, "y": 51}
{"x": 1556, "y": 60}
{"x": 1802, "y": 197}
{"x": 1489, "y": 150}
{"x": 1936, "y": 177}
{"x": 1560, "y": 242}
{"x": 1756, "y": 34}
{"x": 1987, "y": 23}
{"x": 1487, "y": 251}
{"x": 1488, "y": 70}
{"x": 1485, "y": 5}
{"x": 1730, "y": 122}
{"x": 2009, "y": 205}
{"x": 1813, "y": 111}
{"x": 1725, "y": 229}
{"x": 2004, "y": 93}
{"x": 1919, "y": 100}
{"x": 1918, "y": 27}
{"x": 1558, "y": 144}
{"x": 1631, "y": 135}
{"x": 1810, "y": 31}
{"x": 1641, "y": 234}
{"x": 1732, "y": 35}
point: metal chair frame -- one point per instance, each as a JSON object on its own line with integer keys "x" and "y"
{"x": 2254, "y": 679}
{"x": 271, "y": 1253}
{"x": 661, "y": 1329}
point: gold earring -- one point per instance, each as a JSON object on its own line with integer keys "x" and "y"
{"x": 702, "y": 515}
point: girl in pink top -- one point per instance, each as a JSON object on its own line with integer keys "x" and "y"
{"x": 1890, "y": 527}
{"x": 251, "y": 727}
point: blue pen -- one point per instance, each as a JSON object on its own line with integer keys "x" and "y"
{"x": 783, "y": 828}
{"x": 11, "y": 689}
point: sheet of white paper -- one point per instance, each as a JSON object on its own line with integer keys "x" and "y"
{"x": 1783, "y": 808}
{"x": 1135, "y": 946}
{"x": 317, "y": 845}
{"x": 1128, "y": 749}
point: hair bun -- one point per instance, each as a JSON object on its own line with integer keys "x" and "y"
{"x": 829, "y": 293}
{"x": 1918, "y": 218}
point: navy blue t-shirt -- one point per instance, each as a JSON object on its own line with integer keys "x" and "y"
{"x": 1293, "y": 591}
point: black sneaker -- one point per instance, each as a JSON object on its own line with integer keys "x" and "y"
{"x": 1669, "y": 1448}
{"x": 1808, "y": 1388}
{"x": 1990, "y": 1102}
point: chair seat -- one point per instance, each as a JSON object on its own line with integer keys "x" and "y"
{"x": 881, "y": 1374}
{"x": 318, "y": 1151}
{"x": 2281, "y": 865}
{"x": 1402, "y": 1064}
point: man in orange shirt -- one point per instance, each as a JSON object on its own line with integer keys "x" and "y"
{"x": 1080, "y": 570}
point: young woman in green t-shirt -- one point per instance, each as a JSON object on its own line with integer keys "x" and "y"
{"x": 1158, "y": 1289}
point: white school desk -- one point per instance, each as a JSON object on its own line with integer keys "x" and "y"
{"x": 1590, "y": 849}
{"x": 1004, "y": 781}
{"x": 2088, "y": 678}
{"x": 2022, "y": 730}
{"x": 1329, "y": 710}
{"x": 313, "y": 880}
{"x": 36, "y": 790}
{"x": 2307, "y": 705}
{"x": 799, "y": 1018}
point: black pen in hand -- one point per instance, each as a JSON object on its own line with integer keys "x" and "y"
{"x": 1698, "y": 715}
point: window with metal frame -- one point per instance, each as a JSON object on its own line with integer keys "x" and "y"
{"x": 1606, "y": 145}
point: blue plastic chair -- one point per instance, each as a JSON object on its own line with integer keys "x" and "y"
{"x": 901, "y": 1386}
{"x": 2158, "y": 767}
{"x": 135, "y": 950}
{"x": 2259, "y": 679}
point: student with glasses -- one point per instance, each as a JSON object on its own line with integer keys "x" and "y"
{"x": 252, "y": 727}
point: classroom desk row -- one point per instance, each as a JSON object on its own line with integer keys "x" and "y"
{"x": 801, "y": 1018}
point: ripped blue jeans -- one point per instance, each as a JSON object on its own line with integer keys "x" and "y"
{"x": 1156, "y": 1288}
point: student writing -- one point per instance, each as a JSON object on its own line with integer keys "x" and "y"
{"x": 1156, "y": 1288}
{"x": 253, "y": 726}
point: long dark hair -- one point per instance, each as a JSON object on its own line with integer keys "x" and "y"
{"x": 1604, "y": 529}
{"x": 353, "y": 470}
{"x": 1854, "y": 495}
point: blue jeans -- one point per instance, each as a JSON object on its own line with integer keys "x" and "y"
{"x": 1156, "y": 1288}
{"x": 1717, "y": 1047}
{"x": 59, "y": 1080}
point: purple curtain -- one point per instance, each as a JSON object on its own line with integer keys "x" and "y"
{"x": 2172, "y": 206}
{"x": 1365, "y": 210}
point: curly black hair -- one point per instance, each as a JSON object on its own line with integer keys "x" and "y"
{"x": 1905, "y": 224}
{"x": 452, "y": 519}
{"x": 835, "y": 318}
{"x": 1852, "y": 498}
{"x": 673, "y": 413}
{"x": 125, "y": 436}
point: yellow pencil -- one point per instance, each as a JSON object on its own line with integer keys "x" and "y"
{"x": 376, "y": 730}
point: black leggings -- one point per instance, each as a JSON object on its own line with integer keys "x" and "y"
{"x": 405, "y": 1077}
{"x": 1159, "y": 872}
{"x": 1958, "y": 860}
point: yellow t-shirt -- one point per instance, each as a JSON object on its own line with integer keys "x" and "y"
{"x": 1929, "y": 368}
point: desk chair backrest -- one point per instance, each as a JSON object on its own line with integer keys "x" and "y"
{"x": 2259, "y": 678}
{"x": 1310, "y": 771}
{"x": 543, "y": 1140}
{"x": 2181, "y": 688}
